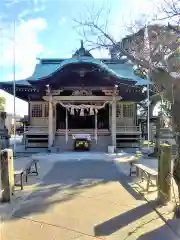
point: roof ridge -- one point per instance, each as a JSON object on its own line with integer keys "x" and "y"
{"x": 59, "y": 60}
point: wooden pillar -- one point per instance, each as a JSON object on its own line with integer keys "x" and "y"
{"x": 151, "y": 131}
{"x": 29, "y": 112}
{"x": 110, "y": 111}
{"x": 50, "y": 123}
{"x": 113, "y": 122}
{"x": 164, "y": 174}
{"x": 7, "y": 174}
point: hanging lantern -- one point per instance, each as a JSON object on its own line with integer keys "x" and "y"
{"x": 82, "y": 112}
{"x": 91, "y": 111}
{"x": 72, "y": 111}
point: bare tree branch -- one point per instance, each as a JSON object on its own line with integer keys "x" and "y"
{"x": 156, "y": 56}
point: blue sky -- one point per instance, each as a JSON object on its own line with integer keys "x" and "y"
{"x": 44, "y": 28}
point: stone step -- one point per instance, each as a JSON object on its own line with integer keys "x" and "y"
{"x": 174, "y": 150}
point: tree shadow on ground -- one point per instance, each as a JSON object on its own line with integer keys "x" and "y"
{"x": 68, "y": 179}
{"x": 116, "y": 223}
{"x": 164, "y": 232}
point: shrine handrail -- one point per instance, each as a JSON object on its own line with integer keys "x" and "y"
{"x": 123, "y": 128}
{"x": 127, "y": 128}
{"x": 36, "y": 128}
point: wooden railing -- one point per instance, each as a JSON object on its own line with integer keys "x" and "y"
{"x": 88, "y": 131}
{"x": 36, "y": 129}
{"x": 119, "y": 129}
{"x": 128, "y": 129}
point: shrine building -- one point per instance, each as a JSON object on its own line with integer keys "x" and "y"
{"x": 81, "y": 95}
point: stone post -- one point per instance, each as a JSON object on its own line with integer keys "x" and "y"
{"x": 164, "y": 174}
{"x": 7, "y": 174}
{"x": 157, "y": 138}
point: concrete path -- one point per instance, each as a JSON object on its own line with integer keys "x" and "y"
{"x": 6, "y": 209}
{"x": 85, "y": 200}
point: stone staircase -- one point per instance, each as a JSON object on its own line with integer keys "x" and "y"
{"x": 128, "y": 140}
{"x": 174, "y": 149}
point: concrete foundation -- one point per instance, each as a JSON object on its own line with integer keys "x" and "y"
{"x": 101, "y": 145}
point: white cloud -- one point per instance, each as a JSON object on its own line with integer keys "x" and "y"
{"x": 20, "y": 105}
{"x": 133, "y": 12}
{"x": 27, "y": 48}
{"x": 100, "y": 53}
{"x": 67, "y": 56}
{"x": 145, "y": 6}
{"x": 62, "y": 20}
{"x": 29, "y": 11}
{"x": 9, "y": 3}
{"x": 36, "y": 3}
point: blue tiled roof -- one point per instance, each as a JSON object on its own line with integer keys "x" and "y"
{"x": 126, "y": 71}
{"x": 44, "y": 69}
{"x": 18, "y": 82}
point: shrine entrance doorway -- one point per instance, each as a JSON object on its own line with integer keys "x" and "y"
{"x": 81, "y": 120}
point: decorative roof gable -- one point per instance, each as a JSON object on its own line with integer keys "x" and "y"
{"x": 47, "y": 67}
{"x": 82, "y": 52}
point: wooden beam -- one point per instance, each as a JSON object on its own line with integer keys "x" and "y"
{"x": 82, "y": 98}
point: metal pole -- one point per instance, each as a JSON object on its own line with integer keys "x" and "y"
{"x": 14, "y": 81}
{"x": 148, "y": 47}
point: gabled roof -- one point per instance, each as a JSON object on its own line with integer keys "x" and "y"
{"x": 46, "y": 67}
{"x": 123, "y": 71}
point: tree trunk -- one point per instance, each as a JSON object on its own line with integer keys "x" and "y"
{"x": 176, "y": 173}
{"x": 177, "y": 208}
{"x": 176, "y": 167}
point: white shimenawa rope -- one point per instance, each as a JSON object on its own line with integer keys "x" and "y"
{"x": 83, "y": 106}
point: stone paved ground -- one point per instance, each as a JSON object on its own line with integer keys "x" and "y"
{"x": 167, "y": 212}
{"x": 19, "y": 163}
{"x": 85, "y": 200}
